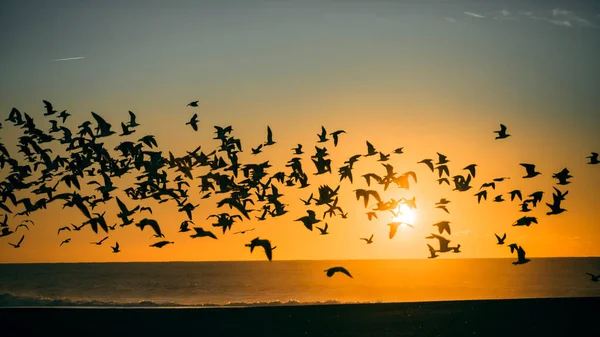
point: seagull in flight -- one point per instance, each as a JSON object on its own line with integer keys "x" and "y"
{"x": 331, "y": 271}
{"x": 593, "y": 158}
{"x": 502, "y": 132}
{"x": 18, "y": 245}
{"x": 594, "y": 278}
{"x": 500, "y": 239}
{"x": 531, "y": 172}
{"x": 369, "y": 240}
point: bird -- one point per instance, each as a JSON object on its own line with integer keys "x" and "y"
{"x": 193, "y": 104}
{"x": 369, "y": 240}
{"x": 515, "y": 193}
{"x": 193, "y": 122}
{"x": 200, "y": 232}
{"x": 394, "y": 227}
{"x": 99, "y": 242}
{"x": 115, "y": 248}
{"x": 521, "y": 259}
{"x": 471, "y": 169}
{"x": 432, "y": 252}
{"x": 443, "y": 226}
{"x": 594, "y": 278}
{"x": 132, "y": 120}
{"x": 322, "y": 136}
{"x": 266, "y": 244}
{"x": 500, "y": 239}
{"x": 442, "y": 241}
{"x": 502, "y": 132}
{"x": 269, "y": 137}
{"x": 244, "y": 231}
{"x": 530, "y": 169}
{"x": 152, "y": 223}
{"x": 161, "y": 244}
{"x": 309, "y": 220}
{"x": 18, "y": 245}
{"x": 593, "y": 158}
{"x": 331, "y": 271}
{"x": 184, "y": 226}
{"x": 67, "y": 240}
{"x": 65, "y": 228}
{"x": 429, "y": 163}
{"x": 482, "y": 194}
{"x": 324, "y": 230}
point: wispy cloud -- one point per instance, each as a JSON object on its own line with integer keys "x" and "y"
{"x": 475, "y": 15}
{"x": 70, "y": 58}
{"x": 561, "y": 16}
{"x": 449, "y": 19}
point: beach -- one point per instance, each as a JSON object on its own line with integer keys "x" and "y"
{"x": 519, "y": 317}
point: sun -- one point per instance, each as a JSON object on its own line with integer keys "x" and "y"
{"x": 406, "y": 215}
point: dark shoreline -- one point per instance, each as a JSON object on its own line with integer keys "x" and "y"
{"x": 523, "y": 317}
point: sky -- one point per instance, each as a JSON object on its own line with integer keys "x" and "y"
{"x": 429, "y": 76}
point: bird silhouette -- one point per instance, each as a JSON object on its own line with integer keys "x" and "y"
{"x": 193, "y": 104}
{"x": 594, "y": 278}
{"x": 443, "y": 226}
{"x": 193, "y": 122}
{"x": 269, "y": 137}
{"x": 324, "y": 229}
{"x": 369, "y": 240}
{"x": 65, "y": 241}
{"x": 265, "y": 244}
{"x": 530, "y": 169}
{"x": 593, "y": 158}
{"x": 115, "y": 248}
{"x": 244, "y": 231}
{"x": 331, "y": 271}
{"x": 521, "y": 259}
{"x": 432, "y": 252}
{"x": 200, "y": 232}
{"x": 500, "y": 239}
{"x": 98, "y": 243}
{"x": 502, "y": 132}
{"x": 18, "y": 245}
{"x": 309, "y": 220}
{"x": 161, "y": 244}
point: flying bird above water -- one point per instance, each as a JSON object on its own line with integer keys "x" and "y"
{"x": 594, "y": 278}
{"x": 115, "y": 248}
{"x": 331, "y": 271}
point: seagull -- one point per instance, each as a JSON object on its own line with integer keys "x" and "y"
{"x": 66, "y": 228}
{"x": 515, "y": 193}
{"x": 334, "y": 270}
{"x": 323, "y": 135}
{"x": 530, "y": 168}
{"x": 594, "y": 278}
{"x": 193, "y": 122}
{"x": 336, "y": 135}
{"x": 323, "y": 230}
{"x": 184, "y": 226}
{"x": 502, "y": 133}
{"x": 266, "y": 244}
{"x": 99, "y": 242}
{"x": 193, "y": 104}
{"x": 394, "y": 227}
{"x": 471, "y": 169}
{"x": 67, "y": 240}
{"x": 593, "y": 158}
{"x": 269, "y": 137}
{"x": 432, "y": 252}
{"x": 521, "y": 259}
{"x": 115, "y": 248}
{"x": 443, "y": 226}
{"x": 161, "y": 244}
{"x": 369, "y": 240}
{"x": 500, "y": 239}
{"x": 200, "y": 232}
{"x": 429, "y": 163}
{"x": 18, "y": 245}
{"x": 244, "y": 231}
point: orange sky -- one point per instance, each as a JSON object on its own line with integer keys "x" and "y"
{"x": 440, "y": 86}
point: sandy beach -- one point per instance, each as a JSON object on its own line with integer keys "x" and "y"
{"x": 524, "y": 317}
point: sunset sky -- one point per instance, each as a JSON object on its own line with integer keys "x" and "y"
{"x": 429, "y": 76}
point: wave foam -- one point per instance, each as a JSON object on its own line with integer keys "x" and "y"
{"x": 12, "y": 300}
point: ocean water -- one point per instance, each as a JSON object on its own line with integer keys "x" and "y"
{"x": 292, "y": 282}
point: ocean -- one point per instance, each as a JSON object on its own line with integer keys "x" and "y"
{"x": 210, "y": 284}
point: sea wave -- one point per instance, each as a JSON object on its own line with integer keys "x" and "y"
{"x": 12, "y": 300}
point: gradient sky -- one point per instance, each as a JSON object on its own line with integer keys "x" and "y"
{"x": 431, "y": 76}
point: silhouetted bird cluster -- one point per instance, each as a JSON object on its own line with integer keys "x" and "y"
{"x": 243, "y": 188}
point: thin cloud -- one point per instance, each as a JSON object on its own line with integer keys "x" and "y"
{"x": 69, "y": 58}
{"x": 569, "y": 16}
{"x": 475, "y": 15}
{"x": 449, "y": 19}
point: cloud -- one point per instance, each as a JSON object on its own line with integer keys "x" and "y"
{"x": 475, "y": 15}
{"x": 449, "y": 19}
{"x": 70, "y": 58}
{"x": 567, "y": 18}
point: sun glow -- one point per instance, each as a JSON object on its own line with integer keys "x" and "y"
{"x": 406, "y": 215}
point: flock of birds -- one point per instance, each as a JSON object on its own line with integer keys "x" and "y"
{"x": 245, "y": 188}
